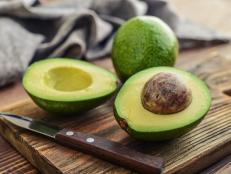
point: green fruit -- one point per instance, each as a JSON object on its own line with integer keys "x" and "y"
{"x": 67, "y": 86}
{"x": 144, "y": 124}
{"x": 141, "y": 43}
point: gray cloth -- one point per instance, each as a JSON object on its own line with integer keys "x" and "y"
{"x": 30, "y": 31}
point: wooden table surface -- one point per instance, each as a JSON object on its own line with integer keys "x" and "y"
{"x": 211, "y": 13}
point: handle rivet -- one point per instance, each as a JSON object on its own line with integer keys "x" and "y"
{"x": 69, "y": 133}
{"x": 90, "y": 140}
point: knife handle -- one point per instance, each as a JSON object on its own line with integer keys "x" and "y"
{"x": 111, "y": 151}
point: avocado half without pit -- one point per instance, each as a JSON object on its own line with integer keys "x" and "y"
{"x": 67, "y": 86}
{"x": 161, "y": 103}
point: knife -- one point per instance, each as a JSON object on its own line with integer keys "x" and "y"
{"x": 95, "y": 145}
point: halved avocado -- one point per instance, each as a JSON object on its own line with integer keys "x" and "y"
{"x": 66, "y": 86}
{"x": 146, "y": 125}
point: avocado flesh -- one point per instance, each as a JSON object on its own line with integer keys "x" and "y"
{"x": 68, "y": 86}
{"x": 145, "y": 125}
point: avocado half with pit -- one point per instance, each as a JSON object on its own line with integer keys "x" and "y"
{"x": 161, "y": 103}
{"x": 67, "y": 86}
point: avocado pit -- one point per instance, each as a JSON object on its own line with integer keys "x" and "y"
{"x": 165, "y": 93}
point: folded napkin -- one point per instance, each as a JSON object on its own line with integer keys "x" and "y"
{"x": 31, "y": 30}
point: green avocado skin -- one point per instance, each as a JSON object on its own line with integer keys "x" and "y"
{"x": 157, "y": 136}
{"x": 141, "y": 43}
{"x": 69, "y": 107}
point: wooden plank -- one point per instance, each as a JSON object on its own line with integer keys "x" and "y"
{"x": 12, "y": 162}
{"x": 190, "y": 153}
{"x": 222, "y": 167}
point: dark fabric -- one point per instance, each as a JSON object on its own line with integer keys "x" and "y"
{"x": 30, "y": 31}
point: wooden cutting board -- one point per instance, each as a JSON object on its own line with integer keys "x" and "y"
{"x": 207, "y": 143}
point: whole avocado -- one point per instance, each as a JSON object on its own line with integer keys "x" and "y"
{"x": 143, "y": 42}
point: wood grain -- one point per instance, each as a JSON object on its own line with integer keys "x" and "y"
{"x": 10, "y": 157}
{"x": 187, "y": 154}
{"x": 222, "y": 167}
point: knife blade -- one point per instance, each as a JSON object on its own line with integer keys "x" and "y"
{"x": 92, "y": 144}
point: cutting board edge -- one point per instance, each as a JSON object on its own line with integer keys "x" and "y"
{"x": 36, "y": 160}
